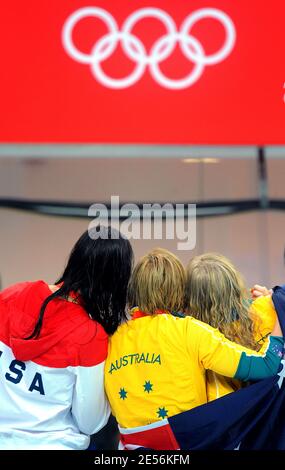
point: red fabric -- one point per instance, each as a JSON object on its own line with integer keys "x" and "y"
{"x": 48, "y": 97}
{"x": 137, "y": 313}
{"x": 161, "y": 438}
{"x": 68, "y": 336}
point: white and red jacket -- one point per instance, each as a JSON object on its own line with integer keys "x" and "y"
{"x": 51, "y": 388}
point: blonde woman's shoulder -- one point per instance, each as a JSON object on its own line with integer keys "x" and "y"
{"x": 264, "y": 316}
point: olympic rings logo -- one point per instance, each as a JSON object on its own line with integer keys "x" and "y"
{"x": 161, "y": 49}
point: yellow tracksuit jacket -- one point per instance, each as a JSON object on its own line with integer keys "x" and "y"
{"x": 156, "y": 366}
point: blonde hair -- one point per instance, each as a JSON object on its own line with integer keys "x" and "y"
{"x": 157, "y": 282}
{"x": 216, "y": 294}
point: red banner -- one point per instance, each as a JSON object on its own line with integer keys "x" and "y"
{"x": 199, "y": 72}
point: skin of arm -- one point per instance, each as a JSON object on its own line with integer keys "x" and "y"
{"x": 259, "y": 291}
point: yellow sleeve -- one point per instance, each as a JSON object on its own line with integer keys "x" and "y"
{"x": 215, "y": 352}
{"x": 264, "y": 318}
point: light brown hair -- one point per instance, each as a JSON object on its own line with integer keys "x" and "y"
{"x": 157, "y": 283}
{"x": 216, "y": 294}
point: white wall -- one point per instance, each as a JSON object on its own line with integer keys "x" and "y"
{"x": 34, "y": 247}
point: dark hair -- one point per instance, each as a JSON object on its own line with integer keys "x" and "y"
{"x": 98, "y": 272}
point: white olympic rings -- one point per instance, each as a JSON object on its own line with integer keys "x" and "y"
{"x": 136, "y": 51}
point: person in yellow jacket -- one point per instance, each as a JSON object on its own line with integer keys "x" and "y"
{"x": 157, "y": 362}
{"x": 216, "y": 294}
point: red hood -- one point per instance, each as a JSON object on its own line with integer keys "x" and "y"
{"x": 20, "y": 306}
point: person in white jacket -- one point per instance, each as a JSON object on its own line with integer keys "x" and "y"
{"x": 53, "y": 346}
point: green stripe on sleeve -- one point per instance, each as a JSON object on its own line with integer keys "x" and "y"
{"x": 260, "y": 367}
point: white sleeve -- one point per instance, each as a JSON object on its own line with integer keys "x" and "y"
{"x": 90, "y": 407}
